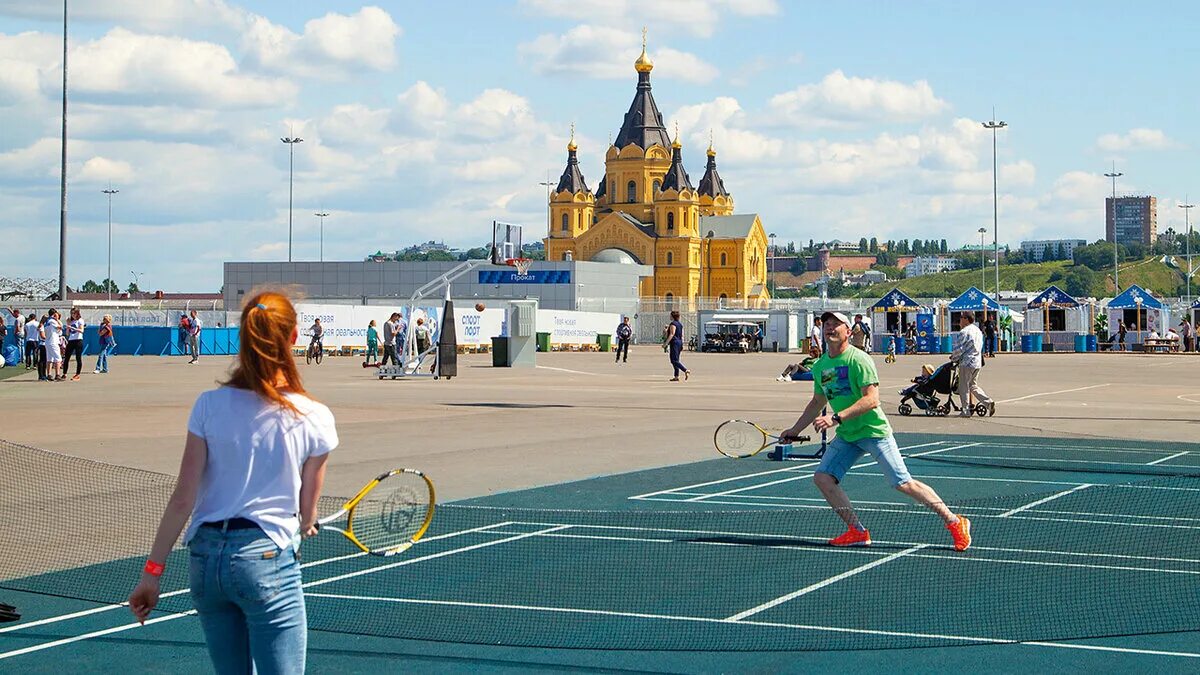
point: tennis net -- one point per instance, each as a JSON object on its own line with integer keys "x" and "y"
{"x": 1081, "y": 562}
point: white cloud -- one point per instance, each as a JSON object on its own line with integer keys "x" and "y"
{"x": 495, "y": 113}
{"x": 489, "y": 169}
{"x": 838, "y": 100}
{"x": 420, "y": 107}
{"x": 724, "y": 117}
{"x": 335, "y": 45}
{"x": 608, "y": 53}
{"x": 104, "y": 170}
{"x": 20, "y": 58}
{"x": 157, "y": 16}
{"x": 698, "y": 17}
{"x": 1135, "y": 139}
{"x": 125, "y": 67}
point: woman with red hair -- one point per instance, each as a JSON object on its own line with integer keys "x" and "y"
{"x": 250, "y": 478}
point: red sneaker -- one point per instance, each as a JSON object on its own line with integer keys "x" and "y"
{"x": 852, "y": 537}
{"x": 961, "y": 531}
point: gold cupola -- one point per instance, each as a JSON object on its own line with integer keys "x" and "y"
{"x": 643, "y": 63}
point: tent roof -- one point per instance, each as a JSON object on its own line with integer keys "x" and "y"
{"x": 1053, "y": 296}
{"x": 973, "y": 299}
{"x": 1129, "y": 299}
{"x": 896, "y": 301}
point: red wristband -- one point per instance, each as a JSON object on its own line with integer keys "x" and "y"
{"x": 154, "y": 569}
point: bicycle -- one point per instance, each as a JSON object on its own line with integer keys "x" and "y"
{"x": 315, "y": 352}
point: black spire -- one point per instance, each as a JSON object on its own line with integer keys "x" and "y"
{"x": 643, "y": 123}
{"x": 571, "y": 179}
{"x": 711, "y": 184}
{"x": 676, "y": 178}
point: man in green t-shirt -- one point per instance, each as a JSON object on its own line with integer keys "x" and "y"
{"x": 845, "y": 379}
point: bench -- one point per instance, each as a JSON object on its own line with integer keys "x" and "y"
{"x": 1160, "y": 345}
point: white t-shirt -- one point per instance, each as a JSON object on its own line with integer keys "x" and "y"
{"x": 53, "y": 330}
{"x": 31, "y": 331}
{"x": 815, "y": 333}
{"x": 255, "y": 452}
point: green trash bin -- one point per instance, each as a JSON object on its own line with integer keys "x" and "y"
{"x": 543, "y": 342}
{"x": 605, "y": 342}
{"x": 499, "y": 352}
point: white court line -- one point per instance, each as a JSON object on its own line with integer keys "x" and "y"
{"x": 576, "y": 372}
{"x": 93, "y": 634}
{"x": 1158, "y": 461}
{"x": 1051, "y": 393}
{"x": 1184, "y": 397}
{"x": 767, "y": 624}
{"x": 831, "y": 549}
{"x": 1070, "y": 461}
{"x": 809, "y": 475}
{"x": 1030, "y": 505}
{"x": 760, "y": 473}
{"x": 315, "y": 563}
{"x": 823, "y": 583}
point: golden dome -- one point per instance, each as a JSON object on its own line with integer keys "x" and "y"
{"x": 711, "y": 151}
{"x": 675, "y": 143}
{"x": 571, "y": 147}
{"x": 643, "y": 63}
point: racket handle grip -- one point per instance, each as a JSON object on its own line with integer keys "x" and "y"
{"x": 804, "y": 439}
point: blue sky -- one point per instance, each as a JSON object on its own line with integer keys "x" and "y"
{"x": 429, "y": 120}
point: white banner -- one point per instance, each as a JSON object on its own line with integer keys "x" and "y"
{"x": 567, "y": 327}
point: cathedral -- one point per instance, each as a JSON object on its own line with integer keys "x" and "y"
{"x": 645, "y": 210}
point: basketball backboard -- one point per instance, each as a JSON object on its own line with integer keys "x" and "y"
{"x": 506, "y": 242}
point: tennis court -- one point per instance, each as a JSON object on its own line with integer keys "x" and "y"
{"x": 1099, "y": 566}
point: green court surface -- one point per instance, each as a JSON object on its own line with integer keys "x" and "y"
{"x": 1096, "y": 567}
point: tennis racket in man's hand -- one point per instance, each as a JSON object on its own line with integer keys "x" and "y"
{"x": 387, "y": 516}
{"x": 740, "y": 439}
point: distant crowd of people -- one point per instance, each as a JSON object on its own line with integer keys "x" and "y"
{"x": 48, "y": 342}
{"x": 1185, "y": 336}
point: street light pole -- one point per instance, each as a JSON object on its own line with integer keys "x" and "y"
{"x": 983, "y": 265}
{"x": 291, "y": 143}
{"x": 994, "y": 125}
{"x": 321, "y": 215}
{"x": 1114, "y": 175}
{"x": 108, "y": 281}
{"x": 770, "y": 266}
{"x": 548, "y": 184}
{"x": 136, "y": 277}
{"x": 1187, "y": 208}
{"x": 62, "y": 216}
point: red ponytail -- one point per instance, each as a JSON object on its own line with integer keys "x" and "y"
{"x": 265, "y": 362}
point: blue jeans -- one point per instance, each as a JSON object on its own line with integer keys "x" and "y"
{"x": 251, "y": 605}
{"x": 841, "y": 455}
{"x": 102, "y": 359}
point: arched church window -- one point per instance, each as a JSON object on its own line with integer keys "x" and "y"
{"x": 565, "y": 227}
{"x": 670, "y": 221}
{"x": 631, "y": 192}
{"x": 670, "y": 258}
{"x": 670, "y": 299}
{"x": 723, "y": 259}
{"x": 657, "y": 186}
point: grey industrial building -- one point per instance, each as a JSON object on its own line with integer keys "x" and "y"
{"x": 570, "y": 285}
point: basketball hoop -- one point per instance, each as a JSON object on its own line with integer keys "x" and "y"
{"x": 522, "y": 265}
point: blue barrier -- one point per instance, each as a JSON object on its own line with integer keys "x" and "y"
{"x": 1092, "y": 343}
{"x": 161, "y": 341}
{"x": 1081, "y": 343}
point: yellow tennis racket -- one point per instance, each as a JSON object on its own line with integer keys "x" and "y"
{"x": 387, "y": 516}
{"x": 740, "y": 439}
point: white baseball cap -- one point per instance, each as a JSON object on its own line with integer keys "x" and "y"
{"x": 836, "y": 315}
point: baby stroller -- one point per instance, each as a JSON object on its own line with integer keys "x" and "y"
{"x": 923, "y": 393}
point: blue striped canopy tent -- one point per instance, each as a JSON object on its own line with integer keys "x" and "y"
{"x": 974, "y": 300}
{"x": 1053, "y": 297}
{"x": 891, "y": 314}
{"x": 896, "y": 301}
{"x": 1140, "y": 311}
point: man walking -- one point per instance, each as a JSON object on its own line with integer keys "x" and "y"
{"x": 814, "y": 336}
{"x": 194, "y": 336}
{"x": 968, "y": 354}
{"x": 846, "y": 380}
{"x": 624, "y": 335}
{"x": 1187, "y": 333}
{"x": 989, "y": 337}
{"x": 390, "y": 329}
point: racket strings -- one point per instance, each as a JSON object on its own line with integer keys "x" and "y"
{"x": 391, "y": 514}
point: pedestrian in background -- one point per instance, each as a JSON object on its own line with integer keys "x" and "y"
{"x": 624, "y": 335}
{"x": 74, "y": 330}
{"x": 372, "y": 344}
{"x": 1188, "y": 333}
{"x": 32, "y": 329}
{"x": 52, "y": 333}
{"x": 674, "y": 339}
{"x": 390, "y": 328}
{"x": 107, "y": 344}
{"x": 989, "y": 337}
{"x": 968, "y": 354}
{"x": 194, "y": 327}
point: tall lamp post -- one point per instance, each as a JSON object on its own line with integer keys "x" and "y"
{"x": 1187, "y": 208}
{"x": 321, "y": 215}
{"x": 291, "y": 143}
{"x": 548, "y": 184}
{"x": 108, "y": 280}
{"x": 770, "y": 265}
{"x": 1114, "y": 175}
{"x": 994, "y": 125}
{"x": 62, "y": 216}
{"x": 983, "y": 264}
{"x": 136, "y": 276}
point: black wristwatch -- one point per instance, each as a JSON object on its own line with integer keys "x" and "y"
{"x": 837, "y": 419}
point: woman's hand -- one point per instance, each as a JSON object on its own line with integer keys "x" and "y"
{"x": 144, "y": 597}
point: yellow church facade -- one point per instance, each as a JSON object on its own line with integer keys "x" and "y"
{"x": 645, "y": 210}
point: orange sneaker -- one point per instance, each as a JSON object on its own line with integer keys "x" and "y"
{"x": 852, "y": 537}
{"x": 961, "y": 531}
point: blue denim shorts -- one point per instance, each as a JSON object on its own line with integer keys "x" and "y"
{"x": 841, "y": 455}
